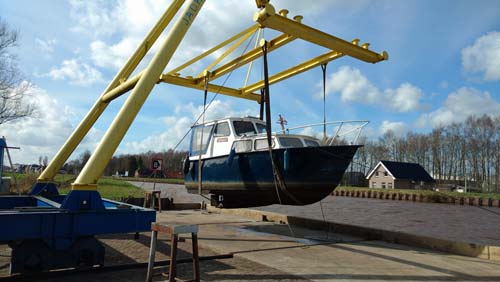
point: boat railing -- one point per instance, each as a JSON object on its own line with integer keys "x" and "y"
{"x": 342, "y": 129}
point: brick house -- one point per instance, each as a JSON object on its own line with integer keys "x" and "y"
{"x": 399, "y": 175}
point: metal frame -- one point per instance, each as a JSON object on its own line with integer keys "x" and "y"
{"x": 142, "y": 83}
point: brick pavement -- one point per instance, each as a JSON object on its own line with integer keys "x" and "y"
{"x": 467, "y": 224}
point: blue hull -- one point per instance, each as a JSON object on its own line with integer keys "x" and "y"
{"x": 246, "y": 180}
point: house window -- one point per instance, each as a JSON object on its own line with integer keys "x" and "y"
{"x": 389, "y": 185}
{"x": 386, "y": 173}
{"x": 376, "y": 173}
{"x": 383, "y": 185}
{"x": 374, "y": 184}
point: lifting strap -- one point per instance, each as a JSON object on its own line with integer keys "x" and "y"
{"x": 262, "y": 102}
{"x": 323, "y": 68}
{"x": 278, "y": 177}
{"x": 202, "y": 129}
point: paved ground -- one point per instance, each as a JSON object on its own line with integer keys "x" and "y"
{"x": 175, "y": 191}
{"x": 265, "y": 251}
{"x": 457, "y": 223}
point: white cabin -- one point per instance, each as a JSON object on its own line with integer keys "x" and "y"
{"x": 243, "y": 134}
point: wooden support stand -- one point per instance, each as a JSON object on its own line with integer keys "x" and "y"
{"x": 173, "y": 231}
{"x": 149, "y": 199}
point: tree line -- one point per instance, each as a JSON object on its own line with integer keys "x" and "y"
{"x": 132, "y": 163}
{"x": 464, "y": 153}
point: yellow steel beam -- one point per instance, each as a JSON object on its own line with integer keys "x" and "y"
{"x": 267, "y": 17}
{"x": 327, "y": 57}
{"x": 226, "y": 53}
{"x": 98, "y": 108}
{"x": 91, "y": 172}
{"x": 249, "y": 31}
{"x": 251, "y": 55}
{"x": 121, "y": 89}
{"x": 192, "y": 83}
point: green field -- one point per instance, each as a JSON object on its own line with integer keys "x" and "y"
{"x": 114, "y": 189}
{"x": 108, "y": 187}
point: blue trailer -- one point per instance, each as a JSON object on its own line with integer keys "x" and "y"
{"x": 46, "y": 230}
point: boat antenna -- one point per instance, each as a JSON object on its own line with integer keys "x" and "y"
{"x": 323, "y": 68}
{"x": 282, "y": 121}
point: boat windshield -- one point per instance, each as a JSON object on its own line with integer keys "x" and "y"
{"x": 196, "y": 137}
{"x": 311, "y": 143}
{"x": 243, "y": 127}
{"x": 261, "y": 128}
{"x": 287, "y": 142}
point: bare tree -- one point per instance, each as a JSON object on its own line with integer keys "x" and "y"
{"x": 13, "y": 88}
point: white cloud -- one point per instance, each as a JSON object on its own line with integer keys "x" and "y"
{"x": 42, "y": 134}
{"x": 398, "y": 128}
{"x": 130, "y": 20}
{"x": 94, "y": 18}
{"x": 483, "y": 56}
{"x": 405, "y": 98}
{"x": 177, "y": 125}
{"x": 354, "y": 87}
{"x": 459, "y": 105}
{"x": 77, "y": 72}
{"x": 46, "y": 46}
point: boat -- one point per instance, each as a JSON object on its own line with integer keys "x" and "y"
{"x": 237, "y": 169}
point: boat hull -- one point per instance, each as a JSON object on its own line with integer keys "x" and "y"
{"x": 246, "y": 179}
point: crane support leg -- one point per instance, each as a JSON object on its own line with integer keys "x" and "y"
{"x": 87, "y": 179}
{"x": 45, "y": 180}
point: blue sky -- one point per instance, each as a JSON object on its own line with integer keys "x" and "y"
{"x": 444, "y": 65}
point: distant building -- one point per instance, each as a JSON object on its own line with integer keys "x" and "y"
{"x": 399, "y": 175}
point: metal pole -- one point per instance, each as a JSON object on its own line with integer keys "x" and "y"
{"x": 104, "y": 151}
{"x": 95, "y": 112}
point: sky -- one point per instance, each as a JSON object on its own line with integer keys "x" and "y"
{"x": 444, "y": 65}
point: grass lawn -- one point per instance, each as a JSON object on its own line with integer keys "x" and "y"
{"x": 428, "y": 193}
{"x": 113, "y": 189}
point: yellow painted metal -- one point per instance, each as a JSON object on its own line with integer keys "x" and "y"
{"x": 226, "y": 53}
{"x": 121, "y": 89}
{"x": 251, "y": 55}
{"x": 115, "y": 133}
{"x": 98, "y": 108}
{"x": 249, "y": 71}
{"x": 267, "y": 17}
{"x": 249, "y": 31}
{"x": 327, "y": 57}
{"x": 193, "y": 83}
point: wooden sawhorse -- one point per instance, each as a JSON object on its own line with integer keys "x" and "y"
{"x": 174, "y": 230}
{"x": 149, "y": 198}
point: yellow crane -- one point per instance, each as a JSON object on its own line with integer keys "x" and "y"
{"x": 141, "y": 84}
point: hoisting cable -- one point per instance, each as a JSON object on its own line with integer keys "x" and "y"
{"x": 213, "y": 97}
{"x": 205, "y": 93}
{"x": 323, "y": 68}
{"x": 278, "y": 178}
{"x": 262, "y": 102}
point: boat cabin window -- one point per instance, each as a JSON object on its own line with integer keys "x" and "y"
{"x": 311, "y": 143}
{"x": 243, "y": 127}
{"x": 261, "y": 144}
{"x": 242, "y": 146}
{"x": 261, "y": 128}
{"x": 222, "y": 129}
{"x": 196, "y": 136}
{"x": 286, "y": 142}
